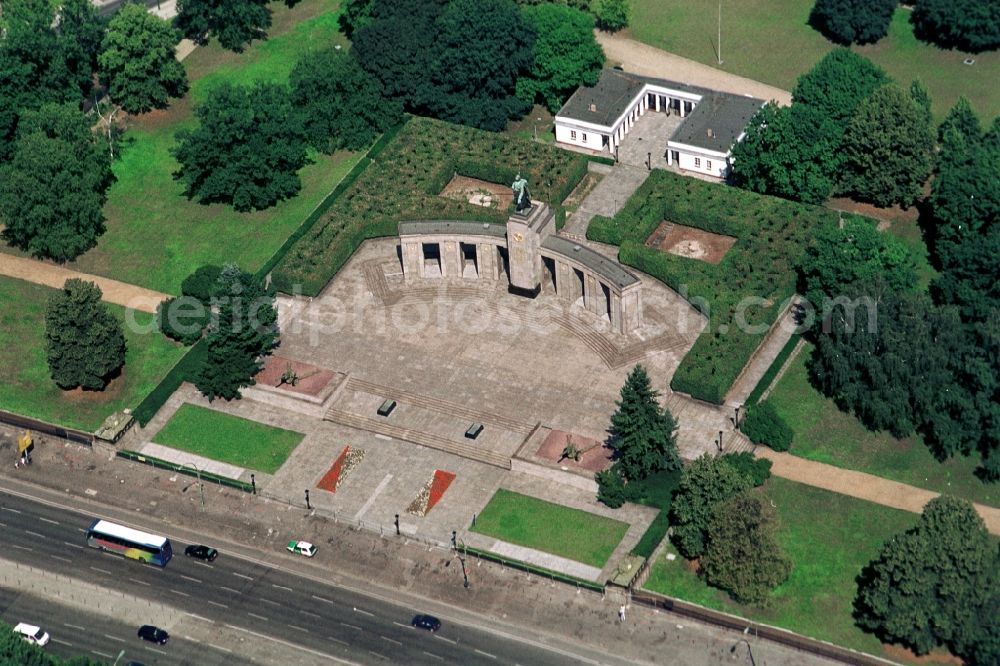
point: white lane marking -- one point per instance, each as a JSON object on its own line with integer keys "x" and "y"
{"x": 337, "y": 640}
{"x": 239, "y": 575}
{"x": 50, "y": 522}
{"x": 229, "y": 589}
{"x": 7, "y": 508}
{"x": 183, "y": 594}
{"x": 193, "y": 640}
{"x": 74, "y": 626}
{"x": 268, "y": 601}
{"x": 35, "y": 534}
{"x": 281, "y": 587}
{"x": 204, "y": 564}
{"x": 74, "y": 545}
{"x": 101, "y": 654}
{"x": 141, "y": 582}
{"x": 446, "y": 640}
{"x": 380, "y": 656}
{"x": 153, "y": 649}
{"x": 219, "y": 647}
{"x": 323, "y": 599}
{"x": 61, "y": 558}
{"x": 364, "y": 612}
{"x": 298, "y": 628}
{"x": 259, "y": 617}
{"x": 291, "y": 645}
{"x": 309, "y": 613}
{"x": 371, "y": 498}
{"x": 352, "y": 626}
{"x": 3, "y": 524}
{"x": 61, "y": 642}
{"x": 21, "y": 547}
{"x": 199, "y": 617}
{"x": 486, "y": 654}
{"x": 216, "y": 603}
{"x": 105, "y": 571}
{"x": 114, "y": 638}
{"x": 390, "y": 640}
{"x": 400, "y": 624}
{"x": 193, "y": 580}
{"x": 431, "y": 654}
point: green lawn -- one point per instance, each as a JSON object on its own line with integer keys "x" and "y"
{"x": 227, "y": 438}
{"x": 26, "y": 387}
{"x": 771, "y": 41}
{"x": 553, "y": 528}
{"x": 829, "y": 538}
{"x": 155, "y": 236}
{"x": 825, "y": 434}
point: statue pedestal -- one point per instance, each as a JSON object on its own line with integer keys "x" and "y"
{"x": 525, "y": 233}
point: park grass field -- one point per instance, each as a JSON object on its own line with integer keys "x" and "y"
{"x": 534, "y": 523}
{"x": 227, "y": 438}
{"x": 26, "y": 387}
{"x": 771, "y": 41}
{"x": 155, "y": 236}
{"x": 826, "y": 434}
{"x": 829, "y": 538}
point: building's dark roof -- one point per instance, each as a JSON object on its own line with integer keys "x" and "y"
{"x": 612, "y": 95}
{"x": 452, "y": 227}
{"x": 595, "y": 261}
{"x": 724, "y": 116}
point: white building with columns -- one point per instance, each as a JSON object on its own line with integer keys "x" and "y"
{"x": 600, "y": 117}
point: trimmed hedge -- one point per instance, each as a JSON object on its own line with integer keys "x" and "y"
{"x": 185, "y": 469}
{"x": 752, "y": 282}
{"x": 653, "y": 535}
{"x": 757, "y": 470}
{"x": 531, "y": 568}
{"x": 181, "y": 372}
{"x": 773, "y": 370}
{"x": 764, "y": 426}
{"x": 402, "y": 184}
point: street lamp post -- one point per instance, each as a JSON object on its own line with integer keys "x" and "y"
{"x": 308, "y": 506}
{"x": 736, "y": 419}
{"x": 732, "y": 650}
{"x": 397, "y": 524}
{"x": 465, "y": 574}
{"x": 720, "y": 32}
{"x": 720, "y": 441}
{"x": 253, "y": 483}
{"x": 201, "y": 485}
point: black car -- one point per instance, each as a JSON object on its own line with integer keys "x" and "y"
{"x": 428, "y": 622}
{"x": 201, "y": 553}
{"x": 148, "y": 632}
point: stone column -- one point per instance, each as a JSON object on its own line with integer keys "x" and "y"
{"x": 413, "y": 260}
{"x": 486, "y": 257}
{"x": 683, "y": 113}
{"x": 631, "y": 309}
{"x": 592, "y": 294}
{"x": 451, "y": 259}
{"x": 617, "y": 323}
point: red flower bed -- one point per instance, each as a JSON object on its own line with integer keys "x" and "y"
{"x": 329, "y": 480}
{"x": 439, "y": 484}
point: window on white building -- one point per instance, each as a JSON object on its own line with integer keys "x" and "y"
{"x": 697, "y": 163}
{"x": 585, "y": 137}
{"x": 572, "y": 135}
{"x": 708, "y": 164}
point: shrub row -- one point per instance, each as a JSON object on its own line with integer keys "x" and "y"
{"x": 749, "y": 286}
{"x": 773, "y": 370}
{"x": 764, "y": 426}
{"x": 181, "y": 372}
{"x": 530, "y": 568}
{"x": 653, "y": 535}
{"x": 185, "y": 469}
{"x": 402, "y": 184}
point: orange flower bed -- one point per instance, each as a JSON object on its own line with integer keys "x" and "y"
{"x": 330, "y": 479}
{"x": 439, "y": 484}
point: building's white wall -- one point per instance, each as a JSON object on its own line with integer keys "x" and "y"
{"x": 577, "y": 136}
{"x": 712, "y": 165}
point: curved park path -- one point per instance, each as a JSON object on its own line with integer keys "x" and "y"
{"x": 50, "y": 275}
{"x": 650, "y": 61}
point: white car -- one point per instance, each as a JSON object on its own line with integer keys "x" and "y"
{"x": 32, "y": 634}
{"x": 301, "y": 548}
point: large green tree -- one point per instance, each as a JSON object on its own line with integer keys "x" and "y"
{"x": 340, "y": 104}
{"x": 80, "y": 29}
{"x": 932, "y": 585}
{"x": 567, "y": 55}
{"x": 245, "y": 329}
{"x": 643, "y": 434}
{"x": 54, "y": 187}
{"x": 84, "y": 342}
{"x": 705, "y": 483}
{"x": 247, "y": 149}
{"x": 612, "y": 15}
{"x": 235, "y": 23}
{"x": 838, "y": 84}
{"x": 969, "y": 25}
{"x": 888, "y": 149}
{"x": 742, "y": 555}
{"x": 138, "y": 60}
{"x": 853, "y": 21}
{"x": 355, "y": 14}
{"x": 840, "y": 256}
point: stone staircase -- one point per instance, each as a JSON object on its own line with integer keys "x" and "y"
{"x": 429, "y": 440}
{"x": 735, "y": 441}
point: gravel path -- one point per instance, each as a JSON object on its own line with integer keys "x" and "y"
{"x": 650, "y": 61}
{"x": 50, "y": 275}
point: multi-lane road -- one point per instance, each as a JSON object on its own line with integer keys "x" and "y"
{"x": 231, "y": 608}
